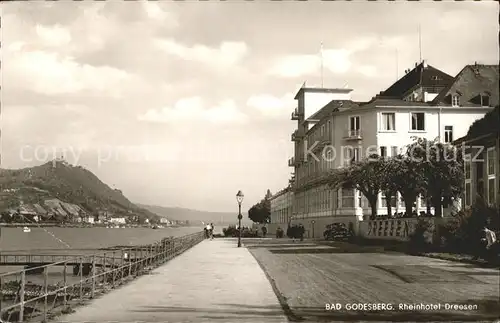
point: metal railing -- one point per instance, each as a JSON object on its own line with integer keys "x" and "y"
{"x": 46, "y": 291}
{"x": 353, "y": 134}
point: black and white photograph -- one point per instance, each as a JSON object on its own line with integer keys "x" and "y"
{"x": 249, "y": 161}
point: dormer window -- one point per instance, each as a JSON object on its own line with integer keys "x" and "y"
{"x": 485, "y": 100}
{"x": 455, "y": 100}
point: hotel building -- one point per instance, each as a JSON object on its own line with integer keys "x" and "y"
{"x": 333, "y": 130}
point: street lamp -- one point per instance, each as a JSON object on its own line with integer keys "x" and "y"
{"x": 239, "y": 198}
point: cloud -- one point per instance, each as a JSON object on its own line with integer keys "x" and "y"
{"x": 367, "y": 70}
{"x": 337, "y": 61}
{"x": 226, "y": 55}
{"x": 334, "y": 60}
{"x": 51, "y": 74}
{"x": 155, "y": 12}
{"x": 54, "y": 35}
{"x": 194, "y": 109}
{"x": 270, "y": 105}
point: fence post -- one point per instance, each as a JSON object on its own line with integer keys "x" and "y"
{"x": 164, "y": 251}
{"x": 65, "y": 286}
{"x": 104, "y": 272}
{"x": 122, "y": 266}
{"x": 21, "y": 296}
{"x": 92, "y": 290}
{"x": 141, "y": 259}
{"x": 150, "y": 255}
{"x": 157, "y": 258}
{"x": 81, "y": 278}
{"x": 130, "y": 263}
{"x": 113, "y": 269}
{"x": 45, "y": 291}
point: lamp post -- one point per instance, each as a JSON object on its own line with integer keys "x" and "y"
{"x": 239, "y": 198}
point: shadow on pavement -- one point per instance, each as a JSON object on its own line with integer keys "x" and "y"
{"x": 222, "y": 311}
{"x": 488, "y": 310}
{"x": 320, "y": 315}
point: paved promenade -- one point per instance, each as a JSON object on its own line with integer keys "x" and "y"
{"x": 309, "y": 277}
{"x": 213, "y": 281}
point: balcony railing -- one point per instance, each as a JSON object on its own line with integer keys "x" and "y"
{"x": 291, "y": 162}
{"x": 353, "y": 134}
{"x": 296, "y": 135}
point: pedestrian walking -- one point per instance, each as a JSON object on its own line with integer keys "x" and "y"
{"x": 208, "y": 228}
{"x": 211, "y": 231}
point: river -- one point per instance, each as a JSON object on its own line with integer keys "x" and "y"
{"x": 57, "y": 240}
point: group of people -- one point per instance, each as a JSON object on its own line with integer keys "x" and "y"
{"x": 209, "y": 231}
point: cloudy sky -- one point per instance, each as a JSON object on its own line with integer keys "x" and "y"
{"x": 183, "y": 104}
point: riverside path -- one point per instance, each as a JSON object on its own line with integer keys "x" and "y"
{"x": 213, "y": 281}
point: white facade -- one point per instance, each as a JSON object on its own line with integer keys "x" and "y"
{"x": 281, "y": 207}
{"x": 382, "y": 128}
{"x": 118, "y": 220}
{"x": 315, "y": 101}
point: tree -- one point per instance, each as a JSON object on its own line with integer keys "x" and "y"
{"x": 259, "y": 213}
{"x": 365, "y": 176}
{"x": 408, "y": 180}
{"x": 442, "y": 168}
{"x": 387, "y": 186}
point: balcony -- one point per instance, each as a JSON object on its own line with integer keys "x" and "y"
{"x": 354, "y": 134}
{"x": 295, "y": 114}
{"x": 291, "y": 162}
{"x": 297, "y": 135}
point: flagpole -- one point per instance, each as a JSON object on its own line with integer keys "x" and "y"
{"x": 321, "y": 53}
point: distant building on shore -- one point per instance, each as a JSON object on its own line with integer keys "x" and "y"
{"x": 281, "y": 210}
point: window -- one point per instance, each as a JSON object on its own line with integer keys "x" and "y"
{"x": 491, "y": 162}
{"x": 388, "y": 121}
{"x": 423, "y": 202}
{"x": 455, "y": 101}
{"x": 383, "y": 151}
{"x": 491, "y": 190}
{"x": 448, "y": 134}
{"x": 354, "y": 126}
{"x": 468, "y": 199}
{"x": 347, "y": 197}
{"x": 356, "y": 154}
{"x": 485, "y": 100}
{"x": 394, "y": 151}
{"x": 393, "y": 201}
{"x": 468, "y": 168}
{"x": 418, "y": 121}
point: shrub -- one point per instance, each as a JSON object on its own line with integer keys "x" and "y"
{"x": 464, "y": 233}
{"x": 418, "y": 241}
{"x": 230, "y": 231}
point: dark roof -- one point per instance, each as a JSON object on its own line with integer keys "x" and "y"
{"x": 320, "y": 90}
{"x": 470, "y": 83}
{"x": 422, "y": 75}
{"x": 384, "y": 101}
{"x": 334, "y": 105}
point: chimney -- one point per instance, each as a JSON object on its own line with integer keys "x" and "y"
{"x": 416, "y": 64}
{"x": 424, "y": 63}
